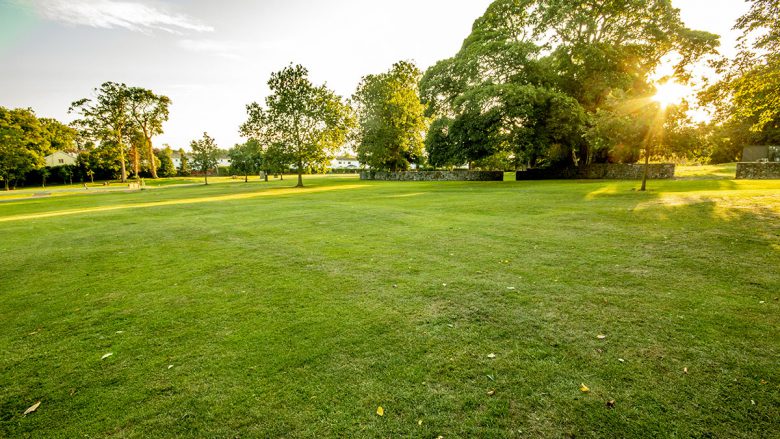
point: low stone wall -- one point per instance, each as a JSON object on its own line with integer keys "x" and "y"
{"x": 758, "y": 171}
{"x": 602, "y": 171}
{"x": 433, "y": 176}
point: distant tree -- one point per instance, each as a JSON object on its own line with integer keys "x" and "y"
{"x": 307, "y": 122}
{"x": 246, "y": 158}
{"x": 165, "y": 156}
{"x": 391, "y": 118}
{"x": 184, "y": 164}
{"x": 87, "y": 163}
{"x": 106, "y": 117}
{"x": 276, "y": 160}
{"x": 60, "y": 136}
{"x": 205, "y": 155}
{"x": 23, "y": 144}
{"x": 149, "y": 111}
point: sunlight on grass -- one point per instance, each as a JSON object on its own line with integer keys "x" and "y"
{"x": 243, "y": 196}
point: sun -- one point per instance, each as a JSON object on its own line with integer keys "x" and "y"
{"x": 670, "y": 93}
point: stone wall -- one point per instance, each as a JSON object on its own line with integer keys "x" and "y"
{"x": 602, "y": 171}
{"x": 758, "y": 171}
{"x": 433, "y": 176}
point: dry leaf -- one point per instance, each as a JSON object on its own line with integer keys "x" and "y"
{"x": 685, "y": 370}
{"x": 611, "y": 404}
{"x": 106, "y": 356}
{"x": 33, "y": 408}
{"x": 419, "y": 422}
{"x": 170, "y": 366}
{"x": 601, "y": 336}
{"x": 621, "y": 360}
{"x": 491, "y": 356}
{"x": 380, "y": 411}
{"x": 584, "y": 388}
{"x": 491, "y": 392}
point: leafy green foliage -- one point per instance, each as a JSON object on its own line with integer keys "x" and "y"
{"x": 167, "y": 168}
{"x": 24, "y": 142}
{"x": 107, "y": 118}
{"x": 391, "y": 118}
{"x": 148, "y": 111}
{"x": 749, "y": 93}
{"x": 306, "y": 122}
{"x": 205, "y": 155}
{"x": 534, "y": 74}
{"x": 246, "y": 158}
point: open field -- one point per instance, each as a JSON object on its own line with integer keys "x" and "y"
{"x": 245, "y": 310}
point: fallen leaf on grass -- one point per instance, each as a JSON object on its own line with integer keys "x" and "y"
{"x": 584, "y": 388}
{"x": 611, "y": 404}
{"x": 170, "y": 366}
{"x": 33, "y": 408}
{"x": 685, "y": 370}
{"x": 621, "y": 360}
{"x": 380, "y": 411}
{"x": 419, "y": 422}
{"x": 491, "y": 356}
{"x": 106, "y": 356}
{"x": 491, "y": 392}
{"x": 601, "y": 336}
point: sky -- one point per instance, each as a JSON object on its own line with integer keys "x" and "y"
{"x": 212, "y": 58}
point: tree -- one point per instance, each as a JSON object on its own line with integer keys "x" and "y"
{"x": 60, "y": 136}
{"x": 184, "y": 164}
{"x": 246, "y": 158}
{"x": 106, "y": 117}
{"x": 148, "y": 111}
{"x": 524, "y": 57}
{"x": 23, "y": 144}
{"x": 307, "y": 122}
{"x": 748, "y": 96}
{"x": 165, "y": 156}
{"x": 391, "y": 118}
{"x": 205, "y": 155}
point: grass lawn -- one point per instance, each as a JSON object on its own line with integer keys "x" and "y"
{"x": 462, "y": 309}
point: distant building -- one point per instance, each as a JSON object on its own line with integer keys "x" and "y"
{"x": 345, "y": 162}
{"x": 761, "y": 154}
{"x": 176, "y": 157}
{"x": 60, "y": 158}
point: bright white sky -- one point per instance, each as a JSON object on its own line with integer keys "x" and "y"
{"x": 214, "y": 57}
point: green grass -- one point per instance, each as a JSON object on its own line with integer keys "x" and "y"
{"x": 726, "y": 171}
{"x": 297, "y": 313}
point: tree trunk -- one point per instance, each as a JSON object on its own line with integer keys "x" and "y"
{"x": 152, "y": 162}
{"x": 5, "y": 180}
{"x": 644, "y": 174}
{"x": 206, "y": 177}
{"x": 122, "y": 159}
{"x": 300, "y": 175}
{"x": 246, "y": 178}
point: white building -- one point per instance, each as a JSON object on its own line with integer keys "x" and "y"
{"x": 60, "y": 158}
{"x": 345, "y": 162}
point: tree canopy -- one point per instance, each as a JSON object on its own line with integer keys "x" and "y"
{"x": 533, "y": 75}
{"x": 205, "y": 155}
{"x": 391, "y": 118}
{"x": 306, "y": 122}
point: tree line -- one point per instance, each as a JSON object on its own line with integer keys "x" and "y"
{"x": 537, "y": 83}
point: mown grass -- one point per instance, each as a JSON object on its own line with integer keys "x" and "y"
{"x": 297, "y": 314}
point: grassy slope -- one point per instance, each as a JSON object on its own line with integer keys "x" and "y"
{"x": 297, "y": 314}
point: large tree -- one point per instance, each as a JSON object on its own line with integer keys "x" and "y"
{"x": 747, "y": 99}
{"x": 538, "y": 54}
{"x": 23, "y": 144}
{"x": 107, "y": 117}
{"x": 148, "y": 111}
{"x": 307, "y": 122}
{"x": 391, "y": 118}
{"x": 205, "y": 155}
